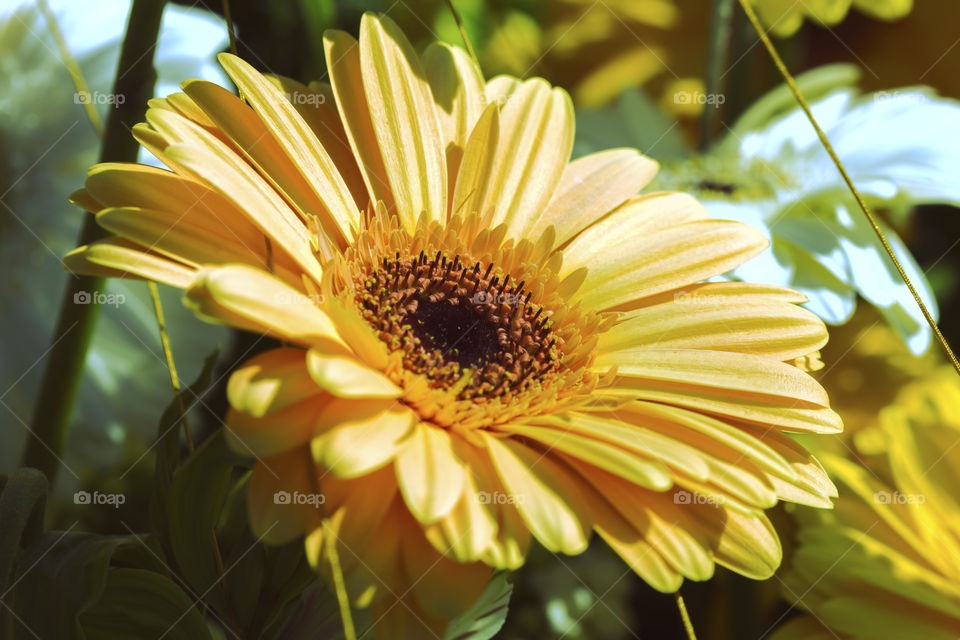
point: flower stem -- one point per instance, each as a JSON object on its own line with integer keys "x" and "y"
{"x": 76, "y": 322}
{"x": 463, "y": 33}
{"x": 721, "y": 26}
{"x": 330, "y": 545}
{"x": 788, "y": 78}
{"x": 687, "y": 624}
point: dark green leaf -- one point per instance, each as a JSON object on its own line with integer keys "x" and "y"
{"x": 484, "y": 619}
{"x": 69, "y": 569}
{"x": 195, "y": 500}
{"x": 143, "y": 604}
{"x": 21, "y": 512}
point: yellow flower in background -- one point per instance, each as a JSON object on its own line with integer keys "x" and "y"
{"x": 885, "y": 564}
{"x": 484, "y": 342}
{"x": 785, "y": 17}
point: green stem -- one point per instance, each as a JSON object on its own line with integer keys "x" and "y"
{"x": 76, "y": 322}
{"x": 718, "y": 47}
{"x": 685, "y": 617}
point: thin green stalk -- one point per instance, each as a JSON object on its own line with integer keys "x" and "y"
{"x": 463, "y": 33}
{"x": 75, "y": 324}
{"x": 333, "y": 558}
{"x": 782, "y": 68}
{"x": 687, "y": 624}
{"x": 718, "y": 49}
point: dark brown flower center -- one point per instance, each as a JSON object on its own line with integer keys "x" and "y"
{"x": 463, "y": 326}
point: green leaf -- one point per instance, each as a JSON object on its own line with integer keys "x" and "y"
{"x": 169, "y": 427}
{"x": 21, "y": 512}
{"x": 69, "y": 569}
{"x": 196, "y": 497}
{"x": 265, "y": 579}
{"x": 484, "y": 619}
{"x": 143, "y": 604}
{"x": 814, "y": 84}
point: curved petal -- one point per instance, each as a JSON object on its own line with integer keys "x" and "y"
{"x": 344, "y": 376}
{"x": 591, "y": 187}
{"x": 362, "y": 435}
{"x": 405, "y": 121}
{"x": 430, "y": 475}
{"x": 252, "y": 299}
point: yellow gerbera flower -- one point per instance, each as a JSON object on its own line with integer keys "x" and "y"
{"x": 785, "y": 17}
{"x": 885, "y": 565}
{"x": 485, "y": 342}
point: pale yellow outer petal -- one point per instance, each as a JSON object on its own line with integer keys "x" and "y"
{"x": 476, "y": 167}
{"x": 275, "y": 432}
{"x": 344, "y": 376}
{"x": 546, "y": 495}
{"x": 536, "y": 138}
{"x": 430, "y": 475}
{"x": 405, "y": 121}
{"x": 297, "y": 141}
{"x": 361, "y": 435}
{"x": 343, "y": 65}
{"x": 271, "y": 381}
{"x": 591, "y": 187}
{"x": 251, "y": 299}
{"x": 458, "y": 93}
{"x": 118, "y": 258}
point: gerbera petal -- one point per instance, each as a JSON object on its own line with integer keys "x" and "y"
{"x": 476, "y": 167}
{"x": 430, "y": 475}
{"x": 591, "y": 187}
{"x": 628, "y": 261}
{"x": 404, "y": 120}
{"x": 275, "y": 517}
{"x": 431, "y": 575}
{"x": 275, "y": 432}
{"x": 237, "y": 181}
{"x": 746, "y": 544}
{"x": 343, "y": 65}
{"x": 738, "y": 385}
{"x": 458, "y": 92}
{"x": 546, "y": 495}
{"x": 181, "y": 238}
{"x": 251, "y": 299}
{"x": 271, "y": 381}
{"x": 632, "y": 546}
{"x": 296, "y": 139}
{"x": 758, "y": 326}
{"x": 661, "y": 521}
{"x": 317, "y": 106}
{"x": 119, "y": 258}
{"x": 645, "y": 473}
{"x": 342, "y": 375}
{"x": 362, "y": 435}
{"x": 534, "y": 118}
{"x": 470, "y": 528}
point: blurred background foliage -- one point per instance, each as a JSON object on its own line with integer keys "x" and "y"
{"x": 621, "y": 60}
